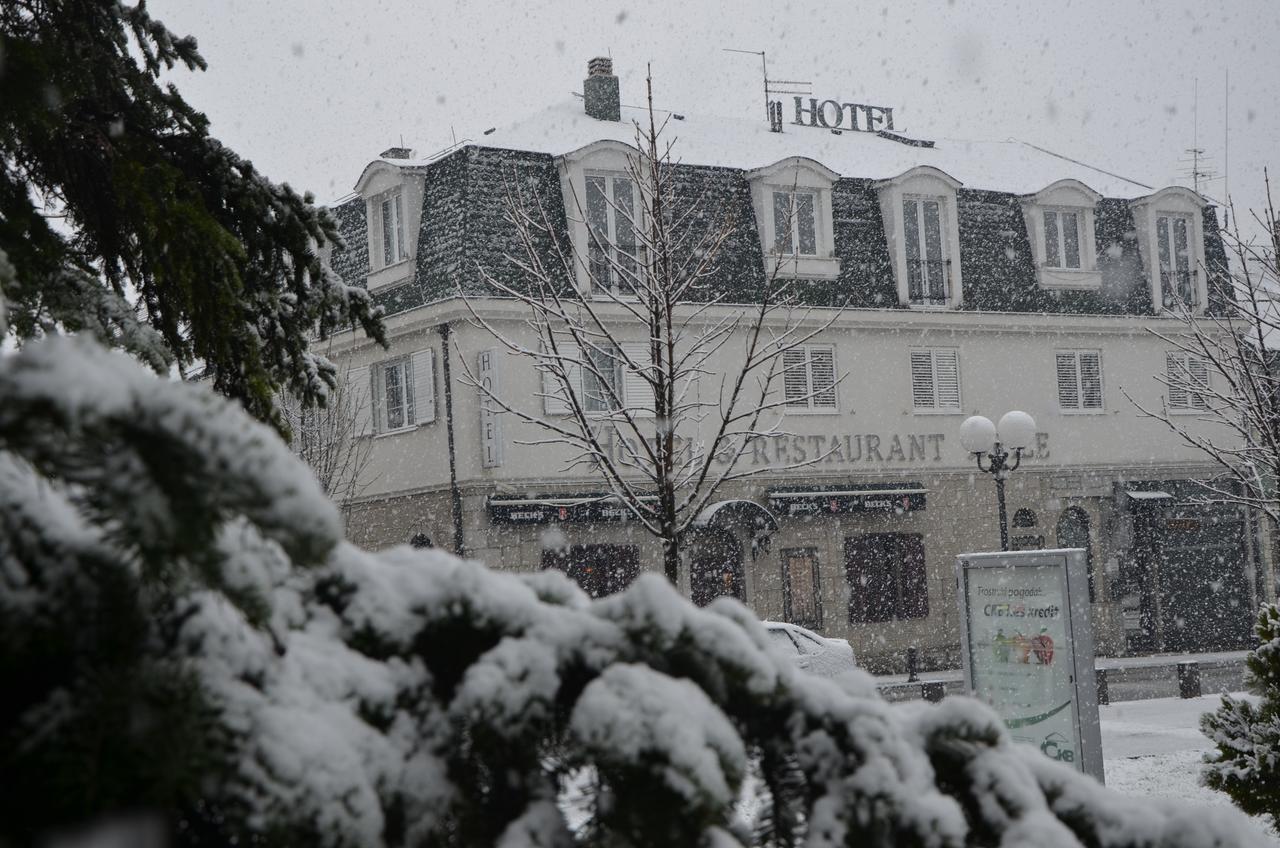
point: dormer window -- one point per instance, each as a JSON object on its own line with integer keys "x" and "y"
{"x": 928, "y": 265}
{"x": 392, "y": 194}
{"x": 919, "y": 212}
{"x": 1173, "y": 249}
{"x": 1060, "y": 221}
{"x": 613, "y": 255}
{"x": 795, "y": 223}
{"x": 1171, "y": 243}
{"x": 792, "y": 201}
{"x": 393, "y": 247}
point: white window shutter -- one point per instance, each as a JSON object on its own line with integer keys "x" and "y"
{"x": 637, "y": 391}
{"x": 795, "y": 376}
{"x": 822, "y": 371}
{"x": 1176, "y": 375}
{"x": 947, "y": 368}
{"x": 1091, "y": 380}
{"x": 424, "y": 386}
{"x": 359, "y": 394}
{"x": 555, "y": 401}
{"x": 1068, "y": 387}
{"x": 922, "y": 393}
{"x": 1198, "y": 370}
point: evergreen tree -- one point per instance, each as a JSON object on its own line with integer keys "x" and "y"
{"x": 1246, "y": 765}
{"x": 168, "y": 243}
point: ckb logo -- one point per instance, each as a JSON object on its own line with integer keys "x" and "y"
{"x": 1056, "y": 747}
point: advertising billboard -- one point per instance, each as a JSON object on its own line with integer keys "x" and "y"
{"x": 1028, "y": 649}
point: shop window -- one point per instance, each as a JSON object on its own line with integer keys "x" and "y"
{"x": 598, "y": 569}
{"x": 887, "y": 578}
{"x": 717, "y": 569}
{"x": 800, "y": 601}
{"x": 935, "y": 380}
{"x": 1079, "y": 380}
{"x": 809, "y": 378}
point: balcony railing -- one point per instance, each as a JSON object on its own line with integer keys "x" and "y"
{"x": 1178, "y": 287}
{"x": 929, "y": 281}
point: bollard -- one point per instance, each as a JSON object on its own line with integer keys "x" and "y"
{"x": 913, "y": 664}
{"x": 933, "y": 692}
{"x": 1189, "y": 680}
{"x": 1104, "y": 694}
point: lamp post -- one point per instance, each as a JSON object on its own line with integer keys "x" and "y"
{"x": 982, "y": 438}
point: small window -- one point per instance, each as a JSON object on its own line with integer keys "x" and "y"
{"x": 928, "y": 267}
{"x": 1187, "y": 378}
{"x": 1079, "y": 380}
{"x": 1177, "y": 276}
{"x": 795, "y": 225}
{"x": 935, "y": 380}
{"x": 1062, "y": 238}
{"x": 809, "y": 378}
{"x": 887, "y": 578}
{"x": 800, "y": 604}
{"x": 1024, "y": 518}
{"x": 613, "y": 255}
{"x": 393, "y": 248}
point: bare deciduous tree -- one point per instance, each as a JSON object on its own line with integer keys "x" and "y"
{"x": 332, "y": 439}
{"x": 638, "y": 312}
{"x": 1224, "y": 371}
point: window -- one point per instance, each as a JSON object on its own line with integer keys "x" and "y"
{"x": 795, "y": 225}
{"x": 1061, "y": 239}
{"x": 809, "y": 378}
{"x": 1173, "y": 247}
{"x": 611, "y": 234}
{"x": 602, "y": 381}
{"x": 928, "y": 268}
{"x": 800, "y": 603}
{"x": 404, "y": 392}
{"x": 1187, "y": 377}
{"x": 935, "y": 380}
{"x": 598, "y": 570}
{"x": 886, "y": 575}
{"x": 597, "y": 381}
{"x": 1079, "y": 380}
{"x": 393, "y": 249}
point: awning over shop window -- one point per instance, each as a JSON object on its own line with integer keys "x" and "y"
{"x": 734, "y": 514}
{"x": 554, "y": 509}
{"x": 1139, "y": 498}
{"x": 835, "y": 500}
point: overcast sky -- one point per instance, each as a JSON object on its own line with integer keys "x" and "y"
{"x": 311, "y": 90}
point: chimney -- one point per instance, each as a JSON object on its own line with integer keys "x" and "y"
{"x": 600, "y": 90}
{"x": 397, "y": 153}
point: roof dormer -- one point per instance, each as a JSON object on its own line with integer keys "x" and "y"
{"x": 792, "y": 201}
{"x": 921, "y": 225}
{"x": 1060, "y": 226}
{"x": 393, "y": 205}
{"x": 1170, "y": 226}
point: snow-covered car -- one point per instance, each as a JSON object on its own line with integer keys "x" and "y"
{"x": 809, "y": 651}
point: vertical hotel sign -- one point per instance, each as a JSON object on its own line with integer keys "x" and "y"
{"x": 1028, "y": 649}
{"x": 490, "y": 420}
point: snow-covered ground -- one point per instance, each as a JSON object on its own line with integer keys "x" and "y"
{"x": 1155, "y": 747}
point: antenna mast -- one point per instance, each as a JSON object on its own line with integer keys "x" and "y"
{"x": 769, "y": 83}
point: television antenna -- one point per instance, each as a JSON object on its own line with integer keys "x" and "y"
{"x": 771, "y": 85}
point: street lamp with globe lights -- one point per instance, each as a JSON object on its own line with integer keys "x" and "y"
{"x": 980, "y": 437}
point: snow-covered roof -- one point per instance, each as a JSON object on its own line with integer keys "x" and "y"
{"x": 1008, "y": 166}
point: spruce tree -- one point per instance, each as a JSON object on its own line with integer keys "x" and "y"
{"x": 1246, "y": 765}
{"x": 166, "y": 242}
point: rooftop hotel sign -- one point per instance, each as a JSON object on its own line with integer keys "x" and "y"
{"x": 838, "y": 115}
